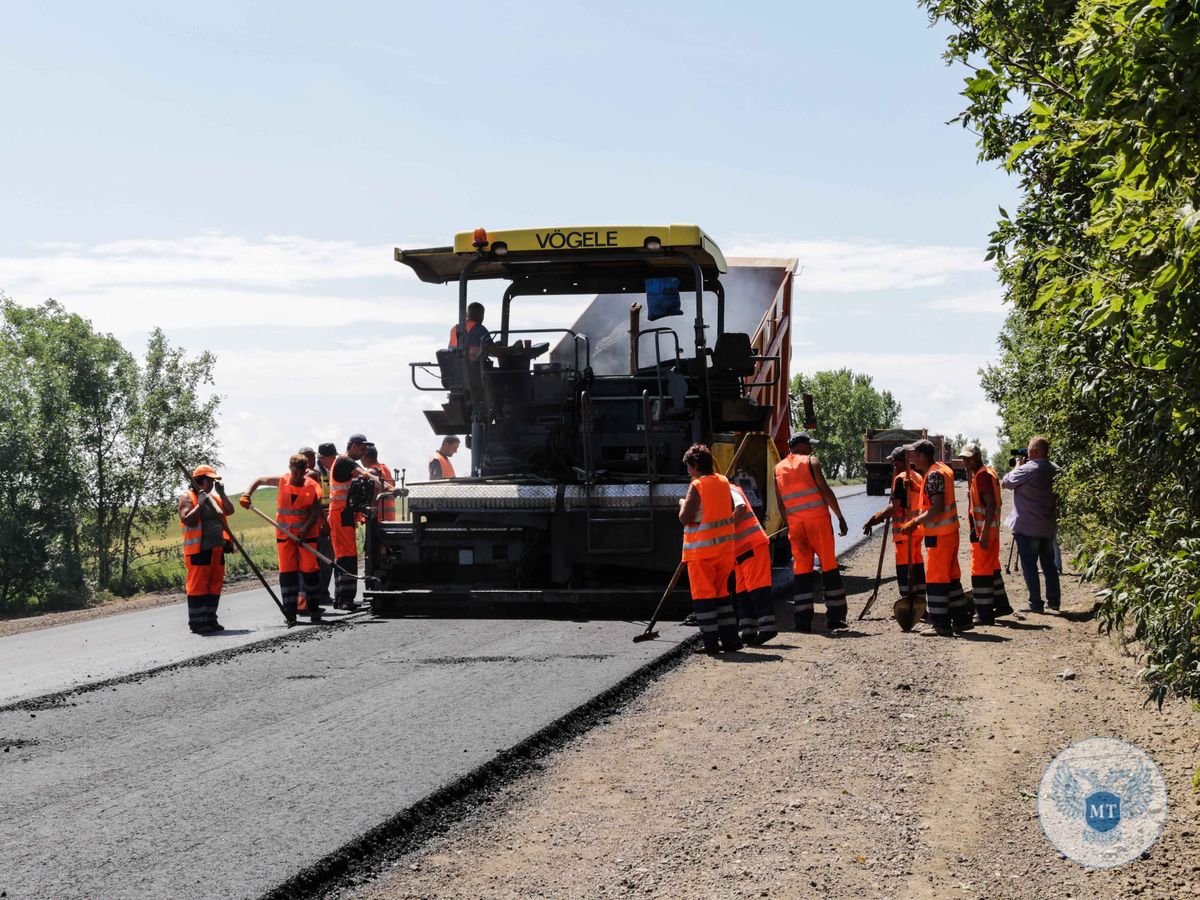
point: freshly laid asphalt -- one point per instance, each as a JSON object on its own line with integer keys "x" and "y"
{"x": 226, "y": 775}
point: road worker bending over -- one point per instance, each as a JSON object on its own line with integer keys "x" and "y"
{"x": 342, "y": 526}
{"x": 205, "y": 531}
{"x": 906, "y": 501}
{"x": 987, "y": 584}
{"x": 298, "y": 521}
{"x": 706, "y": 514}
{"x": 752, "y": 567}
{"x": 947, "y": 604}
{"x": 805, "y": 494}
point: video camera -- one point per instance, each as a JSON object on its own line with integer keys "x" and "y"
{"x": 1017, "y": 456}
{"x": 361, "y": 496}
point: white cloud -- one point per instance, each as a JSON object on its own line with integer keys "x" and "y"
{"x": 848, "y": 266}
{"x": 976, "y": 303}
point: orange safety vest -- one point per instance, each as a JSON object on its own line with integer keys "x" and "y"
{"x": 712, "y": 536}
{"x": 947, "y": 522}
{"x": 798, "y": 491}
{"x": 471, "y": 323}
{"x": 339, "y": 491}
{"x": 447, "y": 466}
{"x": 978, "y": 510}
{"x": 912, "y": 483}
{"x": 748, "y": 532}
{"x": 387, "y": 505}
{"x": 292, "y": 505}
{"x": 193, "y": 535}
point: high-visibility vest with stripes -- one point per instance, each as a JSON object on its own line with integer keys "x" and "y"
{"x": 978, "y": 510}
{"x": 444, "y": 462}
{"x": 292, "y": 505}
{"x": 946, "y": 521}
{"x": 386, "y": 510}
{"x": 912, "y": 484}
{"x": 339, "y": 491}
{"x": 712, "y": 536}
{"x": 748, "y": 532}
{"x": 797, "y": 489}
{"x": 193, "y": 535}
{"x": 324, "y": 470}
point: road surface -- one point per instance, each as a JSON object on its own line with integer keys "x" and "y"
{"x": 226, "y": 776}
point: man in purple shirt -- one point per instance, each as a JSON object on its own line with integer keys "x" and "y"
{"x": 1034, "y": 521}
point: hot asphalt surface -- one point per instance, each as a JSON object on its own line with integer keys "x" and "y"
{"x": 225, "y": 776}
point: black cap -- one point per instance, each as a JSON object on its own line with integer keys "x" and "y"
{"x": 356, "y": 438}
{"x": 329, "y": 448}
{"x": 306, "y": 450}
{"x": 897, "y": 454}
{"x": 925, "y": 447}
{"x": 802, "y": 437}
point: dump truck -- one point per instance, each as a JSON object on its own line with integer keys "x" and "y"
{"x": 880, "y": 442}
{"x": 576, "y": 433}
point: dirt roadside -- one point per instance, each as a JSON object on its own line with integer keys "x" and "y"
{"x": 869, "y": 763}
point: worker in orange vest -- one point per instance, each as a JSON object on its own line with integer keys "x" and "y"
{"x": 946, "y": 603}
{"x": 752, "y": 565}
{"x": 385, "y": 507}
{"x": 439, "y": 464}
{"x": 343, "y": 527}
{"x": 205, "y": 531}
{"x": 297, "y": 512}
{"x": 706, "y": 514}
{"x": 905, "y": 504}
{"x": 807, "y": 498}
{"x": 983, "y": 492}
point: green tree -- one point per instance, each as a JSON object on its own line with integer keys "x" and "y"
{"x": 959, "y": 441}
{"x": 89, "y": 437}
{"x": 1092, "y": 104}
{"x": 846, "y": 404}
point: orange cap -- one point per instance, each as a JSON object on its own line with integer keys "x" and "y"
{"x": 205, "y": 472}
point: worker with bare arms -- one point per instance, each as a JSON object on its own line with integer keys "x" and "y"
{"x": 297, "y": 517}
{"x": 806, "y": 499}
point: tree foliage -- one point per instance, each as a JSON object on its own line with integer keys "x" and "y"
{"x": 1092, "y": 105}
{"x": 89, "y": 435}
{"x": 846, "y": 404}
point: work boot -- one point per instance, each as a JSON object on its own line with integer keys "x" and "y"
{"x": 732, "y": 646}
{"x": 804, "y": 624}
{"x": 836, "y": 622}
{"x": 963, "y": 626}
{"x": 981, "y": 619}
{"x": 765, "y": 635}
{"x": 939, "y": 631}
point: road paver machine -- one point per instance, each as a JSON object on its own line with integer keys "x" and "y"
{"x": 576, "y": 434}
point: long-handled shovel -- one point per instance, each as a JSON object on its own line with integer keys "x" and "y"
{"x": 878, "y": 571}
{"x": 905, "y": 610}
{"x": 236, "y": 543}
{"x": 321, "y": 556}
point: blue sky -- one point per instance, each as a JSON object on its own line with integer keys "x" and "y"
{"x": 239, "y": 177}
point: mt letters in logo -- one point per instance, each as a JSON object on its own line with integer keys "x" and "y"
{"x": 1102, "y": 802}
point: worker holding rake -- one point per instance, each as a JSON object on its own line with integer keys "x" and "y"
{"x": 297, "y": 522}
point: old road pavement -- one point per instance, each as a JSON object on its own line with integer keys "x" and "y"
{"x": 143, "y": 762}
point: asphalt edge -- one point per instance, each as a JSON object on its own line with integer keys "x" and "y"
{"x": 368, "y": 856}
{"x": 61, "y": 698}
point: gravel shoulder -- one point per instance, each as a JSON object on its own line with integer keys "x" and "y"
{"x": 870, "y": 763}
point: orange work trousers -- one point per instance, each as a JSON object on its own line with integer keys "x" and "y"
{"x": 809, "y": 537}
{"x": 941, "y": 560}
{"x": 343, "y": 535}
{"x": 986, "y": 562}
{"x": 205, "y": 572}
{"x": 709, "y": 578}
{"x": 901, "y": 545}
{"x": 293, "y": 558}
{"x": 754, "y": 572}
